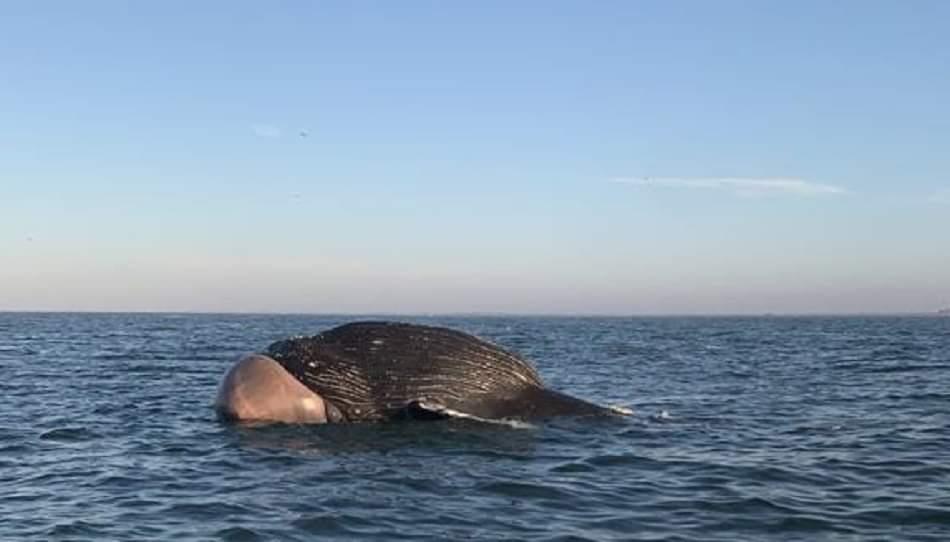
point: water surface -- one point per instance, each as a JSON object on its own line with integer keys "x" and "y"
{"x": 745, "y": 429}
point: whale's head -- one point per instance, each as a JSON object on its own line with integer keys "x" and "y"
{"x": 258, "y": 389}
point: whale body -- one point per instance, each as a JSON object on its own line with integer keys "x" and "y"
{"x": 383, "y": 371}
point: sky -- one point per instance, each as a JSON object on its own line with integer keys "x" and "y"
{"x": 628, "y": 157}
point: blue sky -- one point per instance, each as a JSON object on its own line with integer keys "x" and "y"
{"x": 555, "y": 157}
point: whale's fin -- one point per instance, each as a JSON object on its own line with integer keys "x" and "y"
{"x": 431, "y": 409}
{"x": 426, "y": 409}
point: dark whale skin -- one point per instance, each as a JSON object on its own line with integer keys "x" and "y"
{"x": 379, "y": 371}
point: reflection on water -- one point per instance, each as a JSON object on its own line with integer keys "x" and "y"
{"x": 446, "y": 436}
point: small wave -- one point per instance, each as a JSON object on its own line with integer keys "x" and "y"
{"x": 328, "y": 524}
{"x": 239, "y": 534}
{"x": 906, "y": 368}
{"x": 613, "y": 460}
{"x": 75, "y": 528}
{"x": 524, "y": 490}
{"x": 136, "y": 503}
{"x": 572, "y": 467}
{"x": 205, "y": 510}
{"x": 15, "y": 448}
{"x": 27, "y": 495}
{"x": 112, "y": 356}
{"x": 906, "y": 516}
{"x": 69, "y": 434}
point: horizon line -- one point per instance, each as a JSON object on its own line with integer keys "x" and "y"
{"x": 490, "y": 314}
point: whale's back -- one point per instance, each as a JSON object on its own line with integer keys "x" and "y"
{"x": 373, "y": 370}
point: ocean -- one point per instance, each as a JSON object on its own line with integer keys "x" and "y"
{"x": 766, "y": 428}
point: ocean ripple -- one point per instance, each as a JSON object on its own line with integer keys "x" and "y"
{"x": 744, "y": 429}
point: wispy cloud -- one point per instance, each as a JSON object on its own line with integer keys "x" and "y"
{"x": 266, "y": 130}
{"x": 741, "y": 186}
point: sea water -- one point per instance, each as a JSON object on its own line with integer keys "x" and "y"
{"x": 771, "y": 428}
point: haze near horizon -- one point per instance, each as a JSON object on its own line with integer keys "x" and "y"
{"x": 537, "y": 157}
